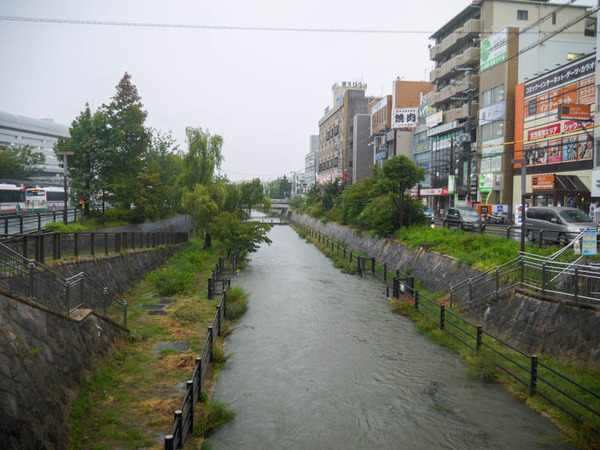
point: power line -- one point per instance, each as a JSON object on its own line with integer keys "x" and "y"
{"x": 210, "y": 27}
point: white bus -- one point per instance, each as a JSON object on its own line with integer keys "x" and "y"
{"x": 46, "y": 199}
{"x": 12, "y": 199}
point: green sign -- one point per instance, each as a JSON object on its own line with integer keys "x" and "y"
{"x": 493, "y": 51}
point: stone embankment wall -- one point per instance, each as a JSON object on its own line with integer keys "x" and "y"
{"x": 45, "y": 355}
{"x": 533, "y": 324}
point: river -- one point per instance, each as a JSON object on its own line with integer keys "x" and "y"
{"x": 319, "y": 362}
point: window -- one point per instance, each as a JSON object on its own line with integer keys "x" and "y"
{"x": 522, "y": 15}
{"x": 590, "y": 27}
{"x": 492, "y": 96}
{"x": 492, "y": 130}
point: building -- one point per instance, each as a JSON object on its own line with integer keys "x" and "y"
{"x": 554, "y": 134}
{"x": 40, "y": 135}
{"x": 311, "y": 161}
{"x": 480, "y": 55}
{"x": 336, "y": 131}
{"x": 362, "y": 152}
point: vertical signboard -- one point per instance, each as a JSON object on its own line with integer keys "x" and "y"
{"x": 493, "y": 51}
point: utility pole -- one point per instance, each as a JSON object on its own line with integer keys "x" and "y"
{"x": 65, "y": 172}
{"x": 468, "y": 131}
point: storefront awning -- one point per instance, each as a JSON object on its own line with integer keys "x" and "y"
{"x": 566, "y": 184}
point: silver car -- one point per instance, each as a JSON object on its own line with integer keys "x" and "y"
{"x": 559, "y": 224}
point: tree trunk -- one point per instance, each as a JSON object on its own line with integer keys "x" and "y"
{"x": 207, "y": 240}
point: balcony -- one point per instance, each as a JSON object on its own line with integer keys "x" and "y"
{"x": 470, "y": 56}
{"x": 468, "y": 29}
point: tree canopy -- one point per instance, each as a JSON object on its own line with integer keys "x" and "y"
{"x": 18, "y": 163}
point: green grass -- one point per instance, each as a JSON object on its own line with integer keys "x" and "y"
{"x": 88, "y": 225}
{"x": 216, "y": 413}
{"x": 237, "y": 302}
{"x": 129, "y": 402}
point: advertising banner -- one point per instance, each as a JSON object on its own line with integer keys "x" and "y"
{"x": 542, "y": 182}
{"x": 493, "y": 51}
{"x": 405, "y": 117}
{"x": 434, "y": 119}
{"x": 486, "y": 182}
{"x": 582, "y": 68}
{"x": 492, "y": 113}
{"x": 590, "y": 243}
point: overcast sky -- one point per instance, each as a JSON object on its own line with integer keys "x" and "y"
{"x": 264, "y": 92}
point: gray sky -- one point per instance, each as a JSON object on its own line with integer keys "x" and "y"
{"x": 264, "y": 92}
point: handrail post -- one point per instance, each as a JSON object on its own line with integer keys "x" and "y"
{"x": 543, "y": 279}
{"x": 533, "y": 373}
{"x": 442, "y": 317}
{"x": 190, "y": 396}
{"x": 576, "y": 287}
{"x": 31, "y": 267}
{"x": 479, "y": 337}
{"x": 105, "y": 295}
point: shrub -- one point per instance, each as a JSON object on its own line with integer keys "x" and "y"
{"x": 170, "y": 281}
{"x": 237, "y": 302}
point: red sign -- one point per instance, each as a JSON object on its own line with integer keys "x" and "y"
{"x": 428, "y": 192}
{"x": 539, "y": 133}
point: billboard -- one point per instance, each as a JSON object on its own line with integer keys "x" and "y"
{"x": 405, "y": 117}
{"x": 493, "y": 51}
{"x": 492, "y": 113}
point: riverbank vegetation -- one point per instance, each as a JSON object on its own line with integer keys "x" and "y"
{"x": 486, "y": 364}
{"x": 129, "y": 402}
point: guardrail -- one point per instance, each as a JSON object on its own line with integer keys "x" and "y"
{"x": 183, "y": 422}
{"x": 34, "y": 222}
{"x": 575, "y": 400}
{"x": 579, "y": 283}
{"x": 55, "y": 246}
{"x": 37, "y": 282}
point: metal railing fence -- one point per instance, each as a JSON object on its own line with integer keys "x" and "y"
{"x": 30, "y": 279}
{"x": 218, "y": 282}
{"x": 536, "y": 377}
{"x": 55, "y": 246}
{"x": 183, "y": 421}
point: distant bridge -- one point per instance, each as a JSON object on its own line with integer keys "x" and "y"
{"x": 281, "y": 205}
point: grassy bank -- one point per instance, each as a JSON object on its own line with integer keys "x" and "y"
{"x": 129, "y": 403}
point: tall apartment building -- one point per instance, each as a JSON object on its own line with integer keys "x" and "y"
{"x": 480, "y": 56}
{"x": 310, "y": 161}
{"x": 336, "y": 129}
{"x": 40, "y": 135}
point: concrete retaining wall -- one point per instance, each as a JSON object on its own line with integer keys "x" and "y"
{"x": 45, "y": 355}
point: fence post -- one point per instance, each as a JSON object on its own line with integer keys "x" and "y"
{"x": 199, "y": 372}
{"x": 479, "y": 337}
{"x": 396, "y": 288}
{"x": 522, "y": 260}
{"x": 141, "y": 239}
{"x": 179, "y": 430}
{"x": 210, "y": 288}
{"x": 105, "y": 295}
{"x": 42, "y": 249}
{"x": 93, "y": 250}
{"x": 67, "y": 298}
{"x": 39, "y": 221}
{"x": 125, "y": 314}
{"x": 133, "y": 240}
{"x": 410, "y": 283}
{"x": 20, "y": 224}
{"x": 169, "y": 442}
{"x": 470, "y": 290}
{"x": 533, "y": 380}
{"x": 6, "y": 225}
{"x": 75, "y": 245}
{"x": 31, "y": 267}
{"x": 344, "y": 252}
{"x": 541, "y": 238}
{"x": 417, "y": 300}
{"x": 350, "y": 256}
{"x": 576, "y": 287}
{"x": 497, "y": 292}
{"x": 544, "y": 279}
{"x": 373, "y": 265}
{"x": 384, "y": 271}
{"x": 106, "y": 243}
{"x": 190, "y": 395}
{"x": 26, "y": 246}
{"x": 442, "y": 317}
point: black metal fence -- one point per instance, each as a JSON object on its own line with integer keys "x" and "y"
{"x": 574, "y": 399}
{"x": 218, "y": 281}
{"x": 183, "y": 422}
{"x": 34, "y": 222}
{"x": 35, "y": 281}
{"x": 55, "y": 246}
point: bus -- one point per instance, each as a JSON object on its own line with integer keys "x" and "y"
{"x": 45, "y": 199}
{"x": 12, "y": 199}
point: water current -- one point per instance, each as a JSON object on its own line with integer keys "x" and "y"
{"x": 320, "y": 362}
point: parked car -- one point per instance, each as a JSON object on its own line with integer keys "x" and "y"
{"x": 464, "y": 218}
{"x": 560, "y": 224}
{"x": 429, "y": 215}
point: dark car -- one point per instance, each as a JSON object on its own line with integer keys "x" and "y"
{"x": 464, "y": 218}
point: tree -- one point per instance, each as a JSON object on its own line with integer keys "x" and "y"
{"x": 203, "y": 156}
{"x": 87, "y": 142}
{"x": 126, "y": 143}
{"x": 238, "y": 237}
{"x": 203, "y": 204}
{"x": 164, "y": 151}
{"x": 252, "y": 194}
{"x": 285, "y": 188}
{"x": 398, "y": 175}
{"x": 19, "y": 163}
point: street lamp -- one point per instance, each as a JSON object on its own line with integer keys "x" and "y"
{"x": 65, "y": 172}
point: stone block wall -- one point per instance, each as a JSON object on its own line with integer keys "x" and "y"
{"x": 46, "y": 355}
